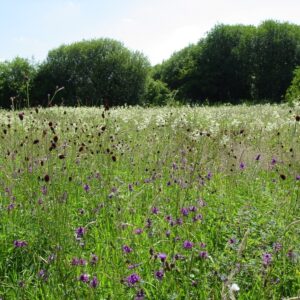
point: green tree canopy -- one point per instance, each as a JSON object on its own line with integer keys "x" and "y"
{"x": 92, "y": 73}
{"x": 15, "y": 82}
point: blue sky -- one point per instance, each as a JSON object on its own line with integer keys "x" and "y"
{"x": 30, "y": 28}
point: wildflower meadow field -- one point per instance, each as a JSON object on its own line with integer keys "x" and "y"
{"x": 157, "y": 203}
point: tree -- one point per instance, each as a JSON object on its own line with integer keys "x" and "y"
{"x": 277, "y": 53}
{"x": 93, "y": 73}
{"x": 16, "y": 82}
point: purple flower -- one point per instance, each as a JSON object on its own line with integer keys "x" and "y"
{"x": 138, "y": 231}
{"x": 130, "y": 187}
{"x": 94, "y": 282}
{"x": 94, "y": 259}
{"x": 242, "y": 166}
{"x": 277, "y": 247}
{"x": 162, "y": 256}
{"x": 140, "y": 295}
{"x": 84, "y": 277}
{"x": 178, "y": 256}
{"x": 75, "y": 261}
{"x": 80, "y": 231}
{"x": 202, "y": 245}
{"x": 20, "y": 244}
{"x": 209, "y": 176}
{"x": 133, "y": 266}
{"x": 232, "y": 241}
{"x": 273, "y": 161}
{"x": 197, "y": 218}
{"x": 159, "y": 274}
{"x": 126, "y": 249}
{"x": 44, "y": 190}
{"x": 168, "y": 233}
{"x": 43, "y": 274}
{"x": 193, "y": 208}
{"x": 298, "y": 177}
{"x": 266, "y": 258}
{"x": 82, "y": 262}
{"x": 184, "y": 211}
{"x": 86, "y": 187}
{"x": 148, "y": 223}
{"x": 11, "y": 206}
{"x": 188, "y": 245}
{"x": 133, "y": 279}
{"x": 203, "y": 254}
{"x": 155, "y": 210}
{"x": 179, "y": 221}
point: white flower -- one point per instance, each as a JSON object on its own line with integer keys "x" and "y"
{"x": 234, "y": 287}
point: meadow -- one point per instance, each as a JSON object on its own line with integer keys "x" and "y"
{"x": 157, "y": 203}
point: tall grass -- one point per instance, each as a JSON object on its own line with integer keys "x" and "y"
{"x": 162, "y": 203}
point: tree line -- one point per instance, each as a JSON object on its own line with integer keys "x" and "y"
{"x": 232, "y": 64}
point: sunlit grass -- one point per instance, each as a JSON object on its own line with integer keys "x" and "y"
{"x": 162, "y": 203}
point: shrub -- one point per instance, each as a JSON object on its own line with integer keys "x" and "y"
{"x": 293, "y": 92}
{"x": 157, "y": 93}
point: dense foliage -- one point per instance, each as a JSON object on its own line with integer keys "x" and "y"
{"x": 92, "y": 73}
{"x": 233, "y": 63}
{"x": 293, "y": 92}
{"x": 15, "y": 82}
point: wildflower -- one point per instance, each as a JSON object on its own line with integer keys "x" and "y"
{"x": 94, "y": 259}
{"x": 209, "y": 176}
{"x": 179, "y": 221}
{"x": 86, "y": 187}
{"x": 80, "y": 231}
{"x": 193, "y": 208}
{"x": 184, "y": 211}
{"x": 277, "y": 247}
{"x": 168, "y": 233}
{"x": 138, "y": 231}
{"x": 75, "y": 261}
{"x": 203, "y": 254}
{"x": 267, "y": 258}
{"x": 148, "y": 223}
{"x": 126, "y": 249}
{"x": 94, "y": 282}
{"x": 43, "y": 275}
{"x": 155, "y": 210}
{"x": 140, "y": 295}
{"x": 20, "y": 244}
{"x": 197, "y": 218}
{"x": 234, "y": 287}
{"x": 202, "y": 245}
{"x": 159, "y": 274}
{"x": 133, "y": 279}
{"x": 162, "y": 256}
{"x": 242, "y": 166}
{"x": 273, "y": 161}
{"x": 298, "y": 177}
{"x": 188, "y": 245}
{"x": 133, "y": 266}
{"x": 11, "y": 206}
{"x": 130, "y": 187}
{"x": 44, "y": 190}
{"x": 84, "y": 277}
{"x": 232, "y": 241}
{"x": 82, "y": 262}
